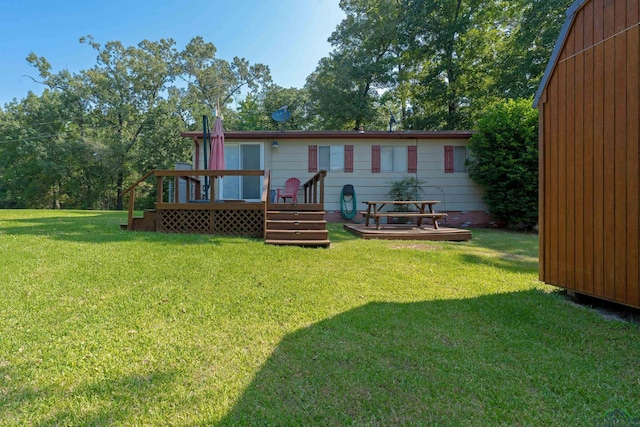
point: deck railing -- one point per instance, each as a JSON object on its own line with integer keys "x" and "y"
{"x": 314, "y": 188}
{"x": 313, "y": 192}
{"x": 194, "y": 185}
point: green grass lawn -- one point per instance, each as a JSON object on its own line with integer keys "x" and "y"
{"x": 100, "y": 326}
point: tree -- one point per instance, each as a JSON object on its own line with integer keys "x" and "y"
{"x": 45, "y": 161}
{"x": 528, "y": 46}
{"x": 213, "y": 82}
{"x": 254, "y": 112}
{"x": 504, "y": 161}
{"x": 450, "y": 48}
{"x": 345, "y": 88}
{"x": 120, "y": 94}
{"x": 251, "y": 114}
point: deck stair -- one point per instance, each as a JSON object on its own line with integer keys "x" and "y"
{"x": 146, "y": 223}
{"x": 296, "y": 225}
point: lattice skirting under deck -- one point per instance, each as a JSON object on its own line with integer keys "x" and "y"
{"x": 249, "y": 222}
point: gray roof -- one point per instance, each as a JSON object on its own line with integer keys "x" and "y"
{"x": 571, "y": 13}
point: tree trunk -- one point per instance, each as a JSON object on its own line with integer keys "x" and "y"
{"x": 119, "y": 191}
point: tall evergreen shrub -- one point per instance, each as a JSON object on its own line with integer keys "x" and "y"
{"x": 504, "y": 161}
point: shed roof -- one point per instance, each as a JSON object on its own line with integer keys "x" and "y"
{"x": 564, "y": 32}
{"x": 248, "y": 135}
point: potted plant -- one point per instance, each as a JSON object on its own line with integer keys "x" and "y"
{"x": 407, "y": 188}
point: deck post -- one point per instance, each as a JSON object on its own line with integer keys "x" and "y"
{"x": 132, "y": 201}
{"x": 159, "y": 188}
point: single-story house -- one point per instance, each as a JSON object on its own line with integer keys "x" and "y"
{"x": 368, "y": 160}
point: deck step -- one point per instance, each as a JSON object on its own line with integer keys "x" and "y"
{"x": 296, "y": 225}
{"x": 324, "y": 243}
{"x": 295, "y": 207}
{"x": 297, "y": 234}
{"x": 296, "y": 215}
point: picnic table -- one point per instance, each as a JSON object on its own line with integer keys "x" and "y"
{"x": 424, "y": 210}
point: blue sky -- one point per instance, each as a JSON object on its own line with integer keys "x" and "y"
{"x": 290, "y": 36}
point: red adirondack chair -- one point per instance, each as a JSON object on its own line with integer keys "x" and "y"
{"x": 291, "y": 187}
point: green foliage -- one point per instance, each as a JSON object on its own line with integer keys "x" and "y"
{"x": 213, "y": 82}
{"x": 344, "y": 91}
{"x": 92, "y": 133}
{"x": 525, "y": 52}
{"x": 504, "y": 160}
{"x": 407, "y": 188}
{"x": 254, "y": 112}
{"x": 47, "y": 159}
{"x": 437, "y": 63}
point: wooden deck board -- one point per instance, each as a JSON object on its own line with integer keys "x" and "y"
{"x": 408, "y": 232}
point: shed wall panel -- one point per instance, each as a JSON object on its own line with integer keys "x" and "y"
{"x": 569, "y": 167}
{"x": 578, "y": 29}
{"x": 587, "y": 142}
{"x": 620, "y": 158}
{"x": 609, "y": 14}
{"x": 562, "y": 174}
{"x": 633, "y": 7}
{"x": 598, "y": 171}
{"x": 633, "y": 148}
{"x": 588, "y": 24}
{"x": 598, "y": 21}
{"x": 609, "y": 164}
{"x": 552, "y": 183}
{"x": 620, "y": 16}
{"x": 578, "y": 159}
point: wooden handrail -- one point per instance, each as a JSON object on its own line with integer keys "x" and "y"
{"x": 190, "y": 175}
{"x": 314, "y": 188}
{"x": 135, "y": 184}
{"x": 132, "y": 198}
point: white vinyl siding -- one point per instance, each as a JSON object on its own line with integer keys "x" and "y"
{"x": 456, "y": 191}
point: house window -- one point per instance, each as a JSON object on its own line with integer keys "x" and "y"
{"x": 331, "y": 157}
{"x": 455, "y": 159}
{"x": 393, "y": 159}
{"x": 459, "y": 159}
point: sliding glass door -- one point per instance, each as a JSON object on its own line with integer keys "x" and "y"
{"x": 243, "y": 156}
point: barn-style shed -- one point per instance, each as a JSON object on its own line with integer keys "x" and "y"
{"x": 589, "y": 121}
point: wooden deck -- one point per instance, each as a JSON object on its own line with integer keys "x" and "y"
{"x": 409, "y": 232}
{"x": 294, "y": 224}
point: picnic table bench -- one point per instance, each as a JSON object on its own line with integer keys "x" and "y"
{"x": 424, "y": 210}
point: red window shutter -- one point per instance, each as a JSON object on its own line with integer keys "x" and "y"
{"x": 313, "y": 158}
{"x": 412, "y": 166}
{"x": 348, "y": 158}
{"x": 448, "y": 158}
{"x": 375, "y": 158}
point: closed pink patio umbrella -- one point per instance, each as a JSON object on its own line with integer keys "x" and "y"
{"x": 216, "y": 156}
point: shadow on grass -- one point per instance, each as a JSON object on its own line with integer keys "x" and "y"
{"x": 337, "y": 233}
{"x": 499, "y": 359}
{"x": 102, "y": 227}
{"x": 103, "y": 402}
{"x": 514, "y": 264}
{"x": 93, "y": 227}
